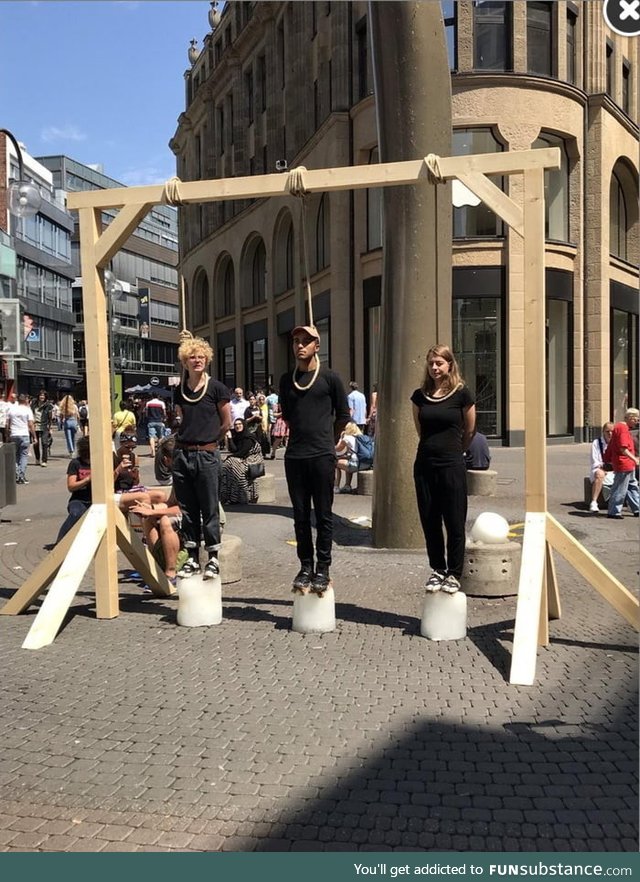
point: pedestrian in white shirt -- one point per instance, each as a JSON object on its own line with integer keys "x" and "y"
{"x": 21, "y": 431}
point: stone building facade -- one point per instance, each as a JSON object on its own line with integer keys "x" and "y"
{"x": 294, "y": 82}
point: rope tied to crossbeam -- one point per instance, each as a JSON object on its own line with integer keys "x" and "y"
{"x": 295, "y": 186}
{"x": 432, "y": 161}
{"x": 171, "y": 194}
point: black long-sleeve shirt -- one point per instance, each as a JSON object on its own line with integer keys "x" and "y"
{"x": 312, "y": 413}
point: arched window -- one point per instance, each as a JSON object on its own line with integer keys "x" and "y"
{"x": 258, "y": 273}
{"x": 283, "y": 255}
{"x": 618, "y": 218}
{"x": 323, "y": 254}
{"x": 556, "y": 191}
{"x": 225, "y": 288}
{"x": 200, "y": 304}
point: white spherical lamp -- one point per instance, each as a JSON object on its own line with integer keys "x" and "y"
{"x": 490, "y": 528}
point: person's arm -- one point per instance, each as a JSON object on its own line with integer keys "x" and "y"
{"x": 32, "y": 429}
{"x": 416, "y": 418}
{"x": 469, "y": 425}
{"x": 340, "y": 405}
{"x": 342, "y": 446}
{"x": 626, "y": 451}
{"x": 224, "y": 409}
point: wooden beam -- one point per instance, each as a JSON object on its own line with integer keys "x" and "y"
{"x": 600, "y": 578}
{"x": 495, "y": 199}
{"x": 42, "y": 576}
{"x": 65, "y": 585}
{"x": 389, "y": 174}
{"x": 118, "y": 231}
{"x": 555, "y": 607}
{"x": 143, "y": 561}
{"x": 525, "y": 635}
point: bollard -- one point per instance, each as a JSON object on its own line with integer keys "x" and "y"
{"x": 266, "y": 488}
{"x": 230, "y": 559}
{"x": 8, "y": 492}
{"x": 313, "y": 614}
{"x": 365, "y": 483}
{"x": 444, "y": 616}
{"x": 199, "y": 601}
{"x": 482, "y": 483}
{"x": 492, "y": 570}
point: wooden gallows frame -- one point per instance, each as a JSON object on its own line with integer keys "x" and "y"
{"x": 103, "y": 529}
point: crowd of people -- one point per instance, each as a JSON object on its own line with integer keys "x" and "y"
{"x": 210, "y": 444}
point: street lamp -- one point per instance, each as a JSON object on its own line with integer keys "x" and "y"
{"x": 24, "y": 196}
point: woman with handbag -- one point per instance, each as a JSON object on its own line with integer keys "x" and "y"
{"x": 70, "y": 416}
{"x": 240, "y": 469}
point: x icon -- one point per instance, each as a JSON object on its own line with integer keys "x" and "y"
{"x": 629, "y": 9}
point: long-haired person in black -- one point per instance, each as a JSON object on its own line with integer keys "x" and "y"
{"x": 444, "y": 414}
{"x": 314, "y": 405}
{"x": 205, "y": 418}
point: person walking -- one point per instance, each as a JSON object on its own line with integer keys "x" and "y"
{"x": 42, "y": 418}
{"x": 621, "y": 454}
{"x": 70, "y": 417}
{"x": 314, "y": 405}
{"x": 444, "y": 414}
{"x": 21, "y": 431}
{"x": 357, "y": 406}
{"x": 123, "y": 422}
{"x": 205, "y": 418}
{"x": 156, "y": 414}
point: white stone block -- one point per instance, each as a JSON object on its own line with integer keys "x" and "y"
{"x": 199, "y": 601}
{"x": 313, "y": 614}
{"x": 444, "y": 616}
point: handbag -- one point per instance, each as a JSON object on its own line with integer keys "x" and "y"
{"x": 255, "y": 470}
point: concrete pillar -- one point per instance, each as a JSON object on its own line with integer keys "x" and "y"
{"x": 413, "y": 97}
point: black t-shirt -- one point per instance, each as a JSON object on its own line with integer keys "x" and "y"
{"x": 442, "y": 425}
{"x": 311, "y": 413}
{"x": 201, "y": 419}
{"x": 81, "y": 470}
{"x": 129, "y": 477}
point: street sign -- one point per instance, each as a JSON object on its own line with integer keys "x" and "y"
{"x": 155, "y": 381}
{"x": 33, "y": 336}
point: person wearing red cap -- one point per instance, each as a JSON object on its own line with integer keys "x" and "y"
{"x": 314, "y": 405}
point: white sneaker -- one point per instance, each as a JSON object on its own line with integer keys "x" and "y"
{"x": 593, "y": 506}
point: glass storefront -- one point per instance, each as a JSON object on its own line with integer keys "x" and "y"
{"x": 477, "y": 343}
{"x": 624, "y": 362}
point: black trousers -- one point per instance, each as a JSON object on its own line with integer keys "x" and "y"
{"x": 312, "y": 480}
{"x": 196, "y": 478}
{"x": 441, "y": 492}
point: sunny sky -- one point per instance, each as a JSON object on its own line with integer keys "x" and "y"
{"x": 101, "y": 82}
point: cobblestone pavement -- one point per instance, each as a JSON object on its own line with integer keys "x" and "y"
{"x": 137, "y": 735}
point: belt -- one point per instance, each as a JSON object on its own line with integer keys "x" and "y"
{"x": 212, "y": 446}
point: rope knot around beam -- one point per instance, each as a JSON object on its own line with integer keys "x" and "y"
{"x": 432, "y": 161}
{"x": 171, "y": 194}
{"x": 295, "y": 181}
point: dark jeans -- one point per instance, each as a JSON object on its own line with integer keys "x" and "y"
{"x": 441, "y": 492}
{"x": 312, "y": 480}
{"x": 41, "y": 446}
{"x": 196, "y": 478}
{"x": 76, "y": 509}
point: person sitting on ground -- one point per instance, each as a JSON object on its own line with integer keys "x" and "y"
{"x": 244, "y": 450}
{"x": 477, "y": 456}
{"x": 347, "y": 457}
{"x": 601, "y": 473}
{"x": 126, "y": 478}
{"x": 79, "y": 486}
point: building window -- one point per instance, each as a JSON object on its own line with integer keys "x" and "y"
{"x": 362, "y": 47}
{"x": 220, "y": 128}
{"x": 618, "y": 218}
{"x": 449, "y": 14}
{"x": 609, "y": 61}
{"x": 572, "y": 24}
{"x": 323, "y": 255}
{"x": 324, "y": 329}
{"x": 248, "y": 91}
{"x": 316, "y": 105}
{"x": 258, "y": 273}
{"x": 559, "y": 366}
{"x": 626, "y": 81}
{"x": 540, "y": 38}
{"x": 374, "y": 210}
{"x": 200, "y": 313}
{"x": 474, "y": 220}
{"x": 281, "y": 55}
{"x": 556, "y": 191}
{"x": 314, "y": 19}
{"x": 225, "y": 300}
{"x": 257, "y": 376}
{"x": 492, "y": 45}
{"x": 283, "y": 258}
{"x": 624, "y": 361}
{"x": 227, "y": 366}
{"x": 262, "y": 82}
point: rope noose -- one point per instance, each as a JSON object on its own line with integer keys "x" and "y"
{"x": 171, "y": 195}
{"x": 296, "y": 187}
{"x": 434, "y": 172}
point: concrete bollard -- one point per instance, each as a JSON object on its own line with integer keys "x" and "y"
{"x": 365, "y": 483}
{"x": 313, "y": 614}
{"x": 266, "y": 488}
{"x": 492, "y": 570}
{"x": 482, "y": 483}
{"x": 444, "y": 616}
{"x": 199, "y": 601}
{"x": 230, "y": 559}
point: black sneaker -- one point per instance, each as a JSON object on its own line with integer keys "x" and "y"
{"x": 304, "y": 580}
{"x": 191, "y": 568}
{"x": 321, "y": 581}
{"x": 211, "y": 569}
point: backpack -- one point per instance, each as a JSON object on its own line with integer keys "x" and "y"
{"x": 82, "y": 410}
{"x": 365, "y": 449}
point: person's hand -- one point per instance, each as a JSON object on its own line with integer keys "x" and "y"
{"x": 142, "y": 509}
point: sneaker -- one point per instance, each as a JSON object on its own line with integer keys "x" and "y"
{"x": 191, "y": 568}
{"x": 43, "y": 465}
{"x": 303, "y": 581}
{"x": 434, "y": 582}
{"x": 321, "y": 582}
{"x": 23, "y": 481}
{"x": 212, "y": 568}
{"x": 593, "y": 506}
{"x": 450, "y": 585}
